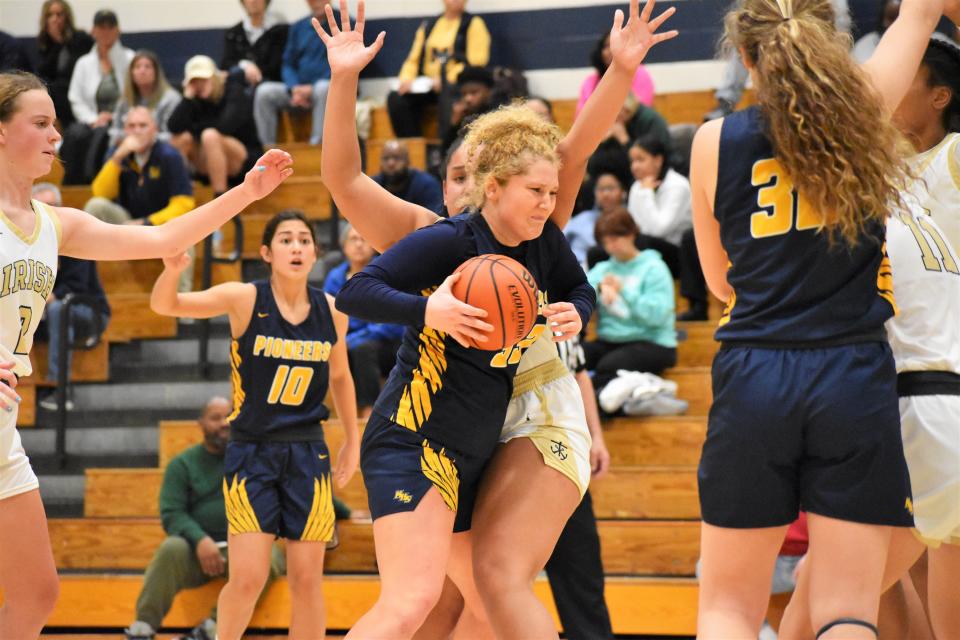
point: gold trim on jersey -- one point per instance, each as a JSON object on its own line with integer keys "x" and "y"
{"x": 885, "y": 280}
{"x": 241, "y": 517}
{"x": 54, "y": 218}
{"x": 416, "y": 403}
{"x": 17, "y": 231}
{"x": 533, "y": 379}
{"x": 236, "y": 380}
{"x": 441, "y": 471}
{"x": 953, "y": 163}
{"x": 319, "y": 527}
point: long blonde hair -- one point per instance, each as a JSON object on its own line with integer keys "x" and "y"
{"x": 827, "y": 124}
{"x": 131, "y": 94}
{"x": 504, "y": 143}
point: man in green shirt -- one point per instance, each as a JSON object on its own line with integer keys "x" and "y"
{"x": 194, "y": 518}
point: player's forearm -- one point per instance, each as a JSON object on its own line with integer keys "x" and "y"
{"x": 184, "y": 231}
{"x": 164, "y": 297}
{"x": 345, "y": 402}
{"x": 340, "y": 155}
{"x": 589, "y": 404}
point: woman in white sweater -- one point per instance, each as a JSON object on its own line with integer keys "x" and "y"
{"x": 660, "y": 204}
{"x": 95, "y": 88}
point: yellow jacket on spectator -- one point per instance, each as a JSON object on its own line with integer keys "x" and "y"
{"x": 158, "y": 191}
{"x": 442, "y": 39}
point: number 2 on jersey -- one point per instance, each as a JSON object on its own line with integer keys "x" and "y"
{"x": 290, "y": 385}
{"x": 26, "y": 319}
{"x": 778, "y": 195}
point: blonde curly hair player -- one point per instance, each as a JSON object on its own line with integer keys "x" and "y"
{"x": 805, "y": 407}
{"x": 515, "y": 551}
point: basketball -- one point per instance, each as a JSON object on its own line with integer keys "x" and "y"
{"x": 503, "y": 288}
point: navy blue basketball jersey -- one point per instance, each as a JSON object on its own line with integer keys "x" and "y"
{"x": 790, "y": 284}
{"x": 281, "y": 372}
{"x": 457, "y": 397}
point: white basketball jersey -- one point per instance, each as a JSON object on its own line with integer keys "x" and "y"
{"x": 28, "y": 268}
{"x": 925, "y": 334}
{"x": 939, "y": 186}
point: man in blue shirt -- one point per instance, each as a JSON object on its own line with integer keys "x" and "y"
{"x": 412, "y": 185}
{"x": 306, "y": 77}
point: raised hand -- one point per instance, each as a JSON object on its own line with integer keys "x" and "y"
{"x": 346, "y": 52}
{"x": 177, "y": 263}
{"x": 271, "y": 169}
{"x": 629, "y": 44}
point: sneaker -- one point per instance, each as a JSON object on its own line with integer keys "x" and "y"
{"x": 206, "y": 630}
{"x": 139, "y": 630}
{"x": 660, "y": 404}
{"x": 631, "y": 384}
{"x": 50, "y": 403}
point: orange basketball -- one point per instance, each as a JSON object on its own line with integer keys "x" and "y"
{"x": 503, "y": 288}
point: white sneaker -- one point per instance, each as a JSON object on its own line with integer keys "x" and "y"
{"x": 616, "y": 392}
{"x": 50, "y": 403}
{"x": 660, "y": 404}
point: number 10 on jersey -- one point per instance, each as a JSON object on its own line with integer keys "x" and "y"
{"x": 290, "y": 385}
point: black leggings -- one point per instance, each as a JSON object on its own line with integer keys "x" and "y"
{"x": 606, "y": 358}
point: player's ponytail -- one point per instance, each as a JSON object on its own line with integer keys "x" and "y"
{"x": 12, "y": 84}
{"x": 827, "y": 125}
{"x": 942, "y": 61}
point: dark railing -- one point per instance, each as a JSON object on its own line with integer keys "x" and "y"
{"x": 83, "y": 343}
{"x": 209, "y": 258}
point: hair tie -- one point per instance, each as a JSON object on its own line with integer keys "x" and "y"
{"x": 786, "y": 8}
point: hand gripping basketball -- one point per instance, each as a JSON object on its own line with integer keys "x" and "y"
{"x": 506, "y": 291}
{"x": 460, "y": 321}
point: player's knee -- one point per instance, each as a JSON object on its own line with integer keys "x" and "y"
{"x": 210, "y": 136}
{"x": 497, "y": 573}
{"x": 248, "y": 583}
{"x": 305, "y": 582}
{"x": 410, "y": 609}
{"x": 38, "y": 595}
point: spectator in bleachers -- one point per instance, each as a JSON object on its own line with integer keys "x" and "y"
{"x": 635, "y": 304}
{"x": 609, "y": 194}
{"x": 660, "y": 203}
{"x": 145, "y": 181}
{"x": 475, "y": 89}
{"x": 371, "y": 346}
{"x": 449, "y": 42}
{"x": 146, "y": 86}
{"x": 213, "y": 125}
{"x": 659, "y": 199}
{"x": 59, "y": 45}
{"x": 735, "y": 75}
{"x": 73, "y": 276}
{"x": 542, "y": 107}
{"x": 255, "y": 44}
{"x": 306, "y": 77}
{"x": 406, "y": 182}
{"x": 95, "y": 88}
{"x": 636, "y": 120}
{"x": 865, "y": 46}
{"x": 12, "y": 55}
{"x": 600, "y": 58}
{"x": 193, "y": 515}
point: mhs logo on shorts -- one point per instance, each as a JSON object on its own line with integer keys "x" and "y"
{"x": 909, "y": 506}
{"x": 402, "y": 496}
{"x": 558, "y": 449}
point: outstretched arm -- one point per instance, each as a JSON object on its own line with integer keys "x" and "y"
{"x": 86, "y": 237}
{"x": 379, "y": 216}
{"x": 896, "y": 59}
{"x": 344, "y": 400}
{"x": 629, "y": 45}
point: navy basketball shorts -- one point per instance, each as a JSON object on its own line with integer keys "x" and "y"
{"x": 281, "y": 488}
{"x": 399, "y": 466}
{"x": 814, "y": 429}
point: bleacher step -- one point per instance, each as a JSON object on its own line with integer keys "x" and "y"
{"x": 160, "y": 396}
{"x": 87, "y": 441}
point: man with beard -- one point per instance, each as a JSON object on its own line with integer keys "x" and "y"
{"x": 399, "y": 178}
{"x": 194, "y": 518}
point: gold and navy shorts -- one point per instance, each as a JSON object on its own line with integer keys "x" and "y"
{"x": 281, "y": 488}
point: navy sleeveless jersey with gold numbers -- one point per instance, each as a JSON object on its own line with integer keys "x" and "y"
{"x": 790, "y": 285}
{"x": 281, "y": 372}
{"x": 453, "y": 396}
